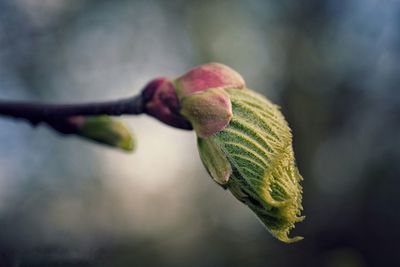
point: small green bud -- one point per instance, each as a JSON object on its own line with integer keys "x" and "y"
{"x": 107, "y": 131}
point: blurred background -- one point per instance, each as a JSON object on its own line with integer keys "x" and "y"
{"x": 332, "y": 65}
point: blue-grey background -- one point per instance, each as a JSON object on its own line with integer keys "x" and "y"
{"x": 332, "y": 65}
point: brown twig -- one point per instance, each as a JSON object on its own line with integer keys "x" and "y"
{"x": 61, "y": 116}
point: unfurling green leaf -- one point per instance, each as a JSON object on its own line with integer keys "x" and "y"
{"x": 243, "y": 140}
{"x": 107, "y": 131}
{"x": 257, "y": 144}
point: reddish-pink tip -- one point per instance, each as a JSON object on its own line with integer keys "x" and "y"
{"x": 161, "y": 102}
{"x": 203, "y": 77}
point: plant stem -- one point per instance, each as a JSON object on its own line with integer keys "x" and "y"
{"x": 40, "y": 112}
{"x": 59, "y": 116}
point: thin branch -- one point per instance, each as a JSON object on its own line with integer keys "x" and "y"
{"x": 39, "y": 112}
{"x": 64, "y": 118}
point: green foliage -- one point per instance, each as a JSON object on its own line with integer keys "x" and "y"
{"x": 257, "y": 144}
